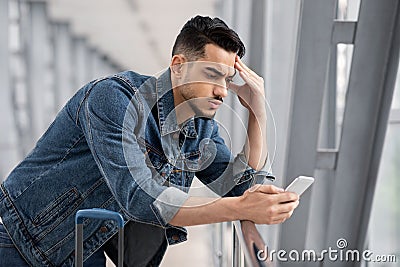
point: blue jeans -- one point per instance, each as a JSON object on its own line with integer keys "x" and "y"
{"x": 9, "y": 255}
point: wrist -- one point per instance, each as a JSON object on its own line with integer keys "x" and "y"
{"x": 258, "y": 114}
{"x": 234, "y": 208}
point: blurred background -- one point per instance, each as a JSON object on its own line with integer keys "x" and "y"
{"x": 332, "y": 82}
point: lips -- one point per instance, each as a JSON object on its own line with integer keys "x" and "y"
{"x": 214, "y": 104}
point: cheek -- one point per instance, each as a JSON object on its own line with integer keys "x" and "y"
{"x": 188, "y": 92}
{"x": 197, "y": 90}
{"x": 204, "y": 89}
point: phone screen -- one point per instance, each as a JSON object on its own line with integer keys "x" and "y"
{"x": 300, "y": 184}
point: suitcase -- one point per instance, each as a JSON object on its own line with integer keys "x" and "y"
{"x": 101, "y": 214}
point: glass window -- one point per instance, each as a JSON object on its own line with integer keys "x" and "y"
{"x": 385, "y": 216}
{"x": 384, "y": 228}
{"x": 396, "y": 95}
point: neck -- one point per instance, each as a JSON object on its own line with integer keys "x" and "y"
{"x": 183, "y": 110}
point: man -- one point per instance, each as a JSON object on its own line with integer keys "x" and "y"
{"x": 132, "y": 144}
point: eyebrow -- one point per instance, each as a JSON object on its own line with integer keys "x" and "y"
{"x": 220, "y": 73}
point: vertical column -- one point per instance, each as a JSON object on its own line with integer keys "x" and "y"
{"x": 112, "y": 67}
{"x": 38, "y": 75}
{"x": 63, "y": 64}
{"x": 238, "y": 16}
{"x": 281, "y": 24}
{"x": 18, "y": 13}
{"x": 91, "y": 57}
{"x": 97, "y": 63}
{"x": 5, "y": 98}
{"x": 80, "y": 62}
{"x": 241, "y": 23}
{"x": 321, "y": 192}
{"x": 104, "y": 71}
{"x": 312, "y": 57}
{"x": 282, "y": 28}
{"x": 109, "y": 67}
{"x": 8, "y": 152}
{"x": 257, "y": 32}
{"x": 227, "y": 10}
{"x": 373, "y": 71}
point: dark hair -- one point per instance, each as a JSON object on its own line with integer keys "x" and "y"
{"x": 199, "y": 31}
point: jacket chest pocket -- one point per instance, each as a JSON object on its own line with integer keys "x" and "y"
{"x": 179, "y": 173}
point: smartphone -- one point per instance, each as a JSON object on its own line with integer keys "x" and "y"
{"x": 300, "y": 184}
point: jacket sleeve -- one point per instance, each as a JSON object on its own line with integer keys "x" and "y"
{"x": 228, "y": 175}
{"x": 111, "y": 117}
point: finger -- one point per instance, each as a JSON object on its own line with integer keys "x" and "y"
{"x": 279, "y": 219}
{"x": 240, "y": 62}
{"x": 269, "y": 189}
{"x": 287, "y": 207}
{"x": 245, "y": 67}
{"x": 287, "y": 197}
{"x": 276, "y": 222}
{"x": 241, "y": 91}
{"x": 243, "y": 73}
{"x": 284, "y": 209}
{"x": 241, "y": 67}
{"x": 247, "y": 75}
{"x": 251, "y": 81}
{"x": 283, "y": 216}
{"x": 234, "y": 87}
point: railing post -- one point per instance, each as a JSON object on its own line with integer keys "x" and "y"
{"x": 249, "y": 248}
{"x": 235, "y": 248}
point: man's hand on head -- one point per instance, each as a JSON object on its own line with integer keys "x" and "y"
{"x": 251, "y": 94}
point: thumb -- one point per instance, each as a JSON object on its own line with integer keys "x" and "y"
{"x": 234, "y": 87}
{"x": 268, "y": 189}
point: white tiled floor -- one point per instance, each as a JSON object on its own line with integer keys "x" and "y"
{"x": 196, "y": 252}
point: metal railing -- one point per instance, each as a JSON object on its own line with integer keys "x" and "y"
{"x": 249, "y": 248}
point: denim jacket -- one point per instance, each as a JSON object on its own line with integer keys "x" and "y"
{"x": 114, "y": 145}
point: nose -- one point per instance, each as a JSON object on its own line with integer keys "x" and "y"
{"x": 220, "y": 91}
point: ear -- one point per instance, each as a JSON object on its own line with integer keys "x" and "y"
{"x": 176, "y": 65}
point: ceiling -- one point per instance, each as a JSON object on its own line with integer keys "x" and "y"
{"x": 137, "y": 34}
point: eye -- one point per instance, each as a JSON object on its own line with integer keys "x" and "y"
{"x": 211, "y": 76}
{"x": 229, "y": 80}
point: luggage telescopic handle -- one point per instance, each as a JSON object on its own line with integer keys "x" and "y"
{"x": 97, "y": 214}
{"x": 102, "y": 214}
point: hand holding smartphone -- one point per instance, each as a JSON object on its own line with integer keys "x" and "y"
{"x": 300, "y": 184}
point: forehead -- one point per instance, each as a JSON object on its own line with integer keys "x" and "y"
{"x": 219, "y": 58}
{"x": 212, "y": 67}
